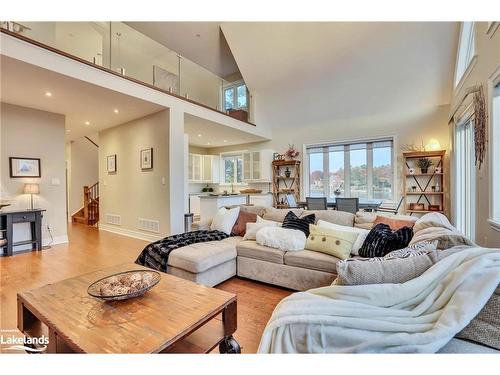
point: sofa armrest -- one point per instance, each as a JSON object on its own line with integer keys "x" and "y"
{"x": 201, "y": 225}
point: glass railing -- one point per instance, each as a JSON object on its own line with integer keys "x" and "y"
{"x": 122, "y": 49}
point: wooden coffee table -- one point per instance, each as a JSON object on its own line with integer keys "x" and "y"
{"x": 176, "y": 316}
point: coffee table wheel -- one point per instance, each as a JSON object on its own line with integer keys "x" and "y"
{"x": 229, "y": 346}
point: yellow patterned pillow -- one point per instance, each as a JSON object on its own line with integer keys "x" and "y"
{"x": 331, "y": 241}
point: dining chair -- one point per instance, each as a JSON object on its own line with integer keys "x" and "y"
{"x": 390, "y": 206}
{"x": 316, "y": 203}
{"x": 291, "y": 201}
{"x": 347, "y": 204}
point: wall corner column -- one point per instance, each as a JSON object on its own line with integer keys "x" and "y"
{"x": 177, "y": 173}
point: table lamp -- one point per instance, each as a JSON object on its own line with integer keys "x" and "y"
{"x": 31, "y": 189}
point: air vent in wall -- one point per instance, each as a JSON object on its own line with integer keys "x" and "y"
{"x": 149, "y": 225}
{"x": 113, "y": 219}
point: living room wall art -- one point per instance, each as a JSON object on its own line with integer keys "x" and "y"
{"x": 111, "y": 163}
{"x": 24, "y": 167}
{"x": 147, "y": 159}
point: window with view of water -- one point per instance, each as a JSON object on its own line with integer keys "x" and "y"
{"x": 361, "y": 169}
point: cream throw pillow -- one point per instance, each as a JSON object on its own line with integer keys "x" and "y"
{"x": 362, "y": 233}
{"x": 331, "y": 241}
{"x": 225, "y": 219}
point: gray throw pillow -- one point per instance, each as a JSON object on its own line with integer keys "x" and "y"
{"x": 396, "y": 267}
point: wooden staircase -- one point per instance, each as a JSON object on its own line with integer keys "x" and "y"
{"x": 89, "y": 213}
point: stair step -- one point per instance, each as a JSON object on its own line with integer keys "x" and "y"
{"x": 79, "y": 219}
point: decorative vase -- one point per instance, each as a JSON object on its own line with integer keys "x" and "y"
{"x": 288, "y": 173}
{"x": 424, "y": 170}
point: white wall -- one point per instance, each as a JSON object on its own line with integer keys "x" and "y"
{"x": 82, "y": 160}
{"x": 487, "y": 63}
{"x": 131, "y": 192}
{"x": 27, "y": 132}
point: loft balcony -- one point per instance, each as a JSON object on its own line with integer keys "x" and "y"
{"x": 123, "y": 51}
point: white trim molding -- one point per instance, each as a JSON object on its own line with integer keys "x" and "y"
{"x": 466, "y": 75}
{"x": 55, "y": 241}
{"x": 493, "y": 80}
{"x": 129, "y": 233}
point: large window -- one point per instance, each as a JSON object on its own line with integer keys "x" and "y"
{"x": 361, "y": 169}
{"x": 495, "y": 148}
{"x": 232, "y": 169}
{"x": 236, "y": 97}
{"x": 465, "y": 212}
{"x": 466, "y": 50}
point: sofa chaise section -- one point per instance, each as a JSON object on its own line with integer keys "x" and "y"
{"x": 208, "y": 263}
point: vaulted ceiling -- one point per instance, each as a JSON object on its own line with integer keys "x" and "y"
{"x": 201, "y": 42}
{"x": 304, "y": 73}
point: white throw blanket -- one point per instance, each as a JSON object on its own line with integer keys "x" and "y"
{"x": 420, "y": 316}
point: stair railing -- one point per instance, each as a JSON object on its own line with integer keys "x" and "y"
{"x": 91, "y": 204}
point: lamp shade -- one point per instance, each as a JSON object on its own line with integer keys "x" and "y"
{"x": 31, "y": 189}
{"x": 433, "y": 145}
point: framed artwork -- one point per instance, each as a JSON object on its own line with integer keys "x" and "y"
{"x": 147, "y": 159}
{"x": 24, "y": 167}
{"x": 111, "y": 163}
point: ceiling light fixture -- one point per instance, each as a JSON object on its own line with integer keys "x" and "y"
{"x": 87, "y": 123}
{"x": 208, "y": 143}
{"x": 225, "y": 141}
{"x": 199, "y": 135}
{"x": 115, "y": 110}
{"x": 48, "y": 93}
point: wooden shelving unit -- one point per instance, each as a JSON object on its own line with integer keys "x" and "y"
{"x": 423, "y": 182}
{"x": 283, "y": 185}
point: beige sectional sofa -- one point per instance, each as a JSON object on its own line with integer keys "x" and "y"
{"x": 211, "y": 263}
{"x": 214, "y": 262}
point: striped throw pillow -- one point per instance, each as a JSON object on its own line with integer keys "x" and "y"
{"x": 382, "y": 240}
{"x": 292, "y": 221}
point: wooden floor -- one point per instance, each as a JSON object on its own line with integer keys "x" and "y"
{"x": 90, "y": 249}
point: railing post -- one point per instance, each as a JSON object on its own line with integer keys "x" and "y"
{"x": 86, "y": 204}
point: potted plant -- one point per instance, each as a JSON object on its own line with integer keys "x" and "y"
{"x": 424, "y": 164}
{"x": 292, "y": 153}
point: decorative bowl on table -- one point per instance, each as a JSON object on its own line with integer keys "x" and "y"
{"x": 124, "y": 285}
{"x": 251, "y": 191}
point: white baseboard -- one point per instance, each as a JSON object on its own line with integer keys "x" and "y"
{"x": 57, "y": 240}
{"x": 129, "y": 233}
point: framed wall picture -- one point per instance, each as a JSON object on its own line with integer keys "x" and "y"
{"x": 147, "y": 159}
{"x": 24, "y": 167}
{"x": 111, "y": 163}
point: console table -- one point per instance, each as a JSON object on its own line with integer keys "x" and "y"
{"x": 10, "y": 217}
